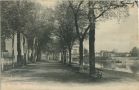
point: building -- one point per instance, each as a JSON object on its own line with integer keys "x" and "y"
{"x": 105, "y": 53}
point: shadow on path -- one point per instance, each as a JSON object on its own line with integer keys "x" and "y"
{"x": 45, "y": 71}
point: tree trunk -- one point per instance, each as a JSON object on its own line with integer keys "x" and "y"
{"x": 32, "y": 52}
{"x": 38, "y": 52}
{"x": 53, "y": 56}
{"x": 92, "y": 51}
{"x": 80, "y": 40}
{"x": 3, "y": 44}
{"x": 19, "y": 57}
{"x": 61, "y": 57}
{"x": 13, "y": 57}
{"x": 28, "y": 53}
{"x": 24, "y": 56}
{"x": 25, "y": 60}
{"x": 69, "y": 56}
{"x": 81, "y": 53}
{"x": 38, "y": 55}
{"x": 92, "y": 43}
{"x": 64, "y": 56}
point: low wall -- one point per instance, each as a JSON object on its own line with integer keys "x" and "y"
{"x": 7, "y": 63}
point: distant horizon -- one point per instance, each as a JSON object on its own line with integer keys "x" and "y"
{"x": 112, "y": 49}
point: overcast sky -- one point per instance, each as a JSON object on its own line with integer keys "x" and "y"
{"x": 122, "y": 36}
{"x": 111, "y": 34}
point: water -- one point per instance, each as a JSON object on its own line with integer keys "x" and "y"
{"x": 131, "y": 66}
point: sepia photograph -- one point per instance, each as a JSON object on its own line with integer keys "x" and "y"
{"x": 69, "y": 45}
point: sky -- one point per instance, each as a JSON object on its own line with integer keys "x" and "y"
{"x": 111, "y": 34}
{"x": 120, "y": 36}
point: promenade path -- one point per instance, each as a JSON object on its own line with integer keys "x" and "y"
{"x": 46, "y": 75}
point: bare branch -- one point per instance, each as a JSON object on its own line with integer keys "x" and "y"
{"x": 77, "y": 27}
{"x": 86, "y": 30}
{"x": 81, "y": 2}
{"x": 75, "y": 12}
{"x": 102, "y": 12}
{"x": 114, "y": 6}
{"x": 71, "y": 6}
{"x": 136, "y": 2}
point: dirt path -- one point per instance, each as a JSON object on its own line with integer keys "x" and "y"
{"x": 55, "y": 76}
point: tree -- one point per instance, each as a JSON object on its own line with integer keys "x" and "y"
{"x": 80, "y": 21}
{"x": 44, "y": 31}
{"x": 7, "y": 32}
{"x": 37, "y": 29}
{"x": 31, "y": 20}
{"x": 12, "y": 22}
{"x": 134, "y": 52}
{"x": 96, "y": 10}
{"x": 66, "y": 31}
{"x": 23, "y": 13}
{"x": 5, "y": 8}
{"x": 102, "y": 9}
{"x": 21, "y": 17}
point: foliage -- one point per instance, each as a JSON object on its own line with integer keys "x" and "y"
{"x": 6, "y": 7}
{"x": 134, "y": 52}
{"x": 65, "y": 30}
{"x": 29, "y": 18}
